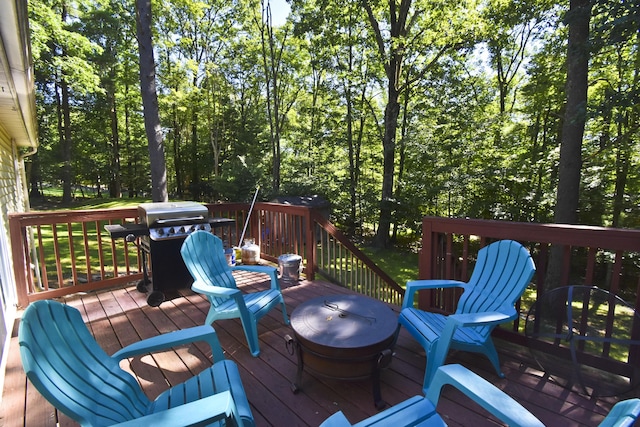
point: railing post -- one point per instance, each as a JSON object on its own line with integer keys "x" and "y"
{"x": 20, "y": 271}
{"x": 310, "y": 247}
{"x": 425, "y": 262}
{"x": 253, "y": 231}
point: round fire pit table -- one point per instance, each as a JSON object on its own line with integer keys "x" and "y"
{"x": 345, "y": 337}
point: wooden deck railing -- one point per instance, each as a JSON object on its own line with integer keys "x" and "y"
{"x": 342, "y": 262}
{"x": 65, "y": 252}
{"x": 564, "y": 255}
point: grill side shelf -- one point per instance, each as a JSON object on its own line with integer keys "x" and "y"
{"x": 221, "y": 222}
{"x": 117, "y": 231}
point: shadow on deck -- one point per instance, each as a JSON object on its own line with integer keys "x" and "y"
{"x": 120, "y": 316}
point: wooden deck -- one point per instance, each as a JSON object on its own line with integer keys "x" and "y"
{"x": 121, "y": 316}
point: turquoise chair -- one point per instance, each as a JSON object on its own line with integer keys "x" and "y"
{"x": 421, "y": 410}
{"x": 68, "y": 367}
{"x": 501, "y": 274}
{"x": 203, "y": 254}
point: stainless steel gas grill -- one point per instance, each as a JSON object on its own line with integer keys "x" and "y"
{"x": 160, "y": 232}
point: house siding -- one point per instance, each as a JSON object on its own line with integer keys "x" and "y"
{"x": 18, "y": 138}
{"x": 11, "y": 200}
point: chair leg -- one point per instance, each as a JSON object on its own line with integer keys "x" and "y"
{"x": 249, "y": 324}
{"x": 285, "y": 318}
{"x": 491, "y": 353}
{"x": 430, "y": 368}
{"x": 211, "y": 317}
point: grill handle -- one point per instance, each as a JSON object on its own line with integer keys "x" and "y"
{"x": 173, "y": 220}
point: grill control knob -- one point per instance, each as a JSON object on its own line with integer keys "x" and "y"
{"x": 171, "y": 230}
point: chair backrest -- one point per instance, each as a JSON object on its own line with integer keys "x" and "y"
{"x": 203, "y": 254}
{"x": 501, "y": 274}
{"x": 68, "y": 367}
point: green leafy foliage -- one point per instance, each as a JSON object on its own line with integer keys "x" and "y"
{"x": 479, "y": 119}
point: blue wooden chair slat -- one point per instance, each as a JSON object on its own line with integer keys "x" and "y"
{"x": 501, "y": 274}
{"x": 68, "y": 367}
{"x": 203, "y": 254}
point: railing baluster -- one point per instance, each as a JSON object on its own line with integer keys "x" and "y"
{"x": 56, "y": 251}
{"x": 87, "y": 255}
{"x": 72, "y": 255}
{"x": 43, "y": 264}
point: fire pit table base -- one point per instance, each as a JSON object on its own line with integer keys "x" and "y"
{"x": 344, "y": 337}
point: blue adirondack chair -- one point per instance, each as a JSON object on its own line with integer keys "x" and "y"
{"x": 68, "y": 367}
{"x": 203, "y": 254}
{"x": 500, "y": 276}
{"x": 421, "y": 410}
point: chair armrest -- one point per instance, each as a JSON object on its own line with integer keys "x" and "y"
{"x": 266, "y": 269}
{"x": 338, "y": 419}
{"x": 272, "y": 272}
{"x": 491, "y": 398}
{"x": 415, "y": 411}
{"x": 214, "y": 291}
{"x": 200, "y": 412}
{"x": 480, "y": 319}
{"x": 172, "y": 339}
{"x": 623, "y": 413}
{"x": 414, "y": 286}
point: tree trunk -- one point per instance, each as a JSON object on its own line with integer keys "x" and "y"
{"x": 67, "y": 174}
{"x": 33, "y": 172}
{"x": 578, "y": 18}
{"x": 177, "y": 164}
{"x": 623, "y": 154}
{"x": 391, "y": 113}
{"x": 150, "y": 102}
{"x": 393, "y": 70}
{"x": 115, "y": 184}
{"x": 132, "y": 184}
{"x": 196, "y": 190}
{"x": 566, "y": 211}
{"x": 270, "y": 62}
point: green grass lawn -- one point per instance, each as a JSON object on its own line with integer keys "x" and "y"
{"x": 400, "y": 264}
{"x": 51, "y": 200}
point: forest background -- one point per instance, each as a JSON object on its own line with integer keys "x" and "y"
{"x": 391, "y": 111}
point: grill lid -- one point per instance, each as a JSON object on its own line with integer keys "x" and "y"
{"x": 164, "y": 213}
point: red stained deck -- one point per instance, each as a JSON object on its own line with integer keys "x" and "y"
{"x": 121, "y": 316}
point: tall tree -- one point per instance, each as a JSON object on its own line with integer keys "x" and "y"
{"x": 108, "y": 26}
{"x": 281, "y": 92}
{"x": 407, "y": 33}
{"x": 61, "y": 61}
{"x": 150, "y": 102}
{"x": 570, "y": 166}
{"x": 340, "y": 87}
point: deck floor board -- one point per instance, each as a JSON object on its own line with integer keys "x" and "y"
{"x": 120, "y": 316}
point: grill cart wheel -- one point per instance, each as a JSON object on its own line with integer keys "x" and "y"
{"x": 155, "y": 298}
{"x": 143, "y": 285}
